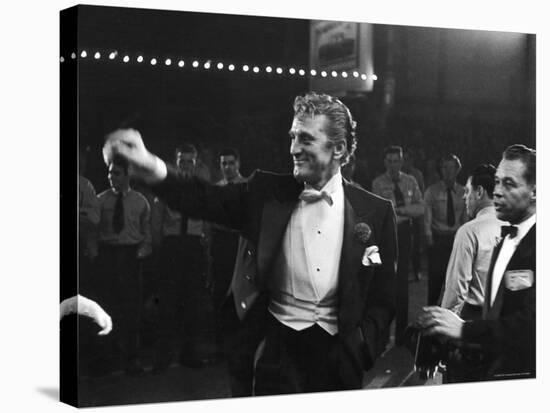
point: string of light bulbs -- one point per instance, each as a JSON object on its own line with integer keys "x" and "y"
{"x": 209, "y": 64}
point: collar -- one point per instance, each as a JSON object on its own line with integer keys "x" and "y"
{"x": 124, "y": 193}
{"x": 333, "y": 186}
{"x": 525, "y": 226}
{"x": 453, "y": 188}
{"x": 486, "y": 211}
{"x": 399, "y": 175}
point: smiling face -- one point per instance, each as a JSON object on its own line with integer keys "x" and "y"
{"x": 514, "y": 197}
{"x": 316, "y": 158}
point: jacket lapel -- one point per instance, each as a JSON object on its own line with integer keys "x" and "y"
{"x": 275, "y": 217}
{"x": 489, "y": 286}
{"x": 350, "y": 259}
{"x": 517, "y": 261}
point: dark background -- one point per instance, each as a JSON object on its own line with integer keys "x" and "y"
{"x": 438, "y": 90}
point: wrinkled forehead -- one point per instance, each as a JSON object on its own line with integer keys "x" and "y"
{"x": 305, "y": 122}
{"x": 511, "y": 169}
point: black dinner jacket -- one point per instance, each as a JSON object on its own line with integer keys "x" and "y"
{"x": 507, "y": 330}
{"x": 260, "y": 209}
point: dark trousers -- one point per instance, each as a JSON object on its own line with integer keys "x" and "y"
{"x": 240, "y": 340}
{"x": 118, "y": 290}
{"x": 404, "y": 234}
{"x": 182, "y": 299}
{"x": 416, "y": 245}
{"x": 465, "y": 365}
{"x": 297, "y": 361}
{"x": 438, "y": 258}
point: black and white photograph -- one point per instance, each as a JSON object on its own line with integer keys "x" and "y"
{"x": 303, "y": 208}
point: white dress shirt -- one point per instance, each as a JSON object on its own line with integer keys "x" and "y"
{"x": 509, "y": 246}
{"x": 306, "y": 271}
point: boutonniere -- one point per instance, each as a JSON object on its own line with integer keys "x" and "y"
{"x": 362, "y": 232}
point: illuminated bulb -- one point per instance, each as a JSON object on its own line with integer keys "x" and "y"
{"x": 112, "y": 55}
{"x": 374, "y": 77}
{"x": 344, "y": 74}
{"x": 313, "y": 72}
{"x": 181, "y": 63}
{"x": 168, "y": 62}
{"x": 153, "y": 61}
{"x": 268, "y": 69}
{"x": 292, "y": 70}
{"x": 324, "y": 74}
{"x": 334, "y": 73}
{"x": 364, "y": 76}
{"x": 83, "y": 54}
{"x": 73, "y": 55}
{"x": 195, "y": 64}
{"x": 97, "y": 55}
{"x": 207, "y": 65}
{"x": 279, "y": 70}
{"x": 220, "y": 66}
{"x": 231, "y": 67}
{"x": 245, "y": 68}
{"x": 61, "y": 59}
{"x": 256, "y": 69}
{"x": 301, "y": 72}
{"x": 126, "y": 59}
{"x": 140, "y": 59}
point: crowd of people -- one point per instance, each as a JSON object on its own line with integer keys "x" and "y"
{"x": 297, "y": 279}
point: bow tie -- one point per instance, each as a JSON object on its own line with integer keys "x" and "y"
{"x": 311, "y": 195}
{"x": 511, "y": 230}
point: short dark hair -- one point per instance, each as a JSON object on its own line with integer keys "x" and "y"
{"x": 484, "y": 175}
{"x": 230, "y": 152}
{"x": 526, "y": 155}
{"x": 186, "y": 148}
{"x": 451, "y": 157}
{"x": 393, "y": 149}
{"x": 341, "y": 126}
{"x": 120, "y": 162}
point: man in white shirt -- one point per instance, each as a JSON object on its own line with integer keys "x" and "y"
{"x": 506, "y": 333}
{"x": 317, "y": 280}
{"x": 473, "y": 246}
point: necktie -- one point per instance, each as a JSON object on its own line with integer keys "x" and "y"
{"x": 310, "y": 195}
{"x": 450, "y": 208}
{"x": 399, "y": 198}
{"x": 511, "y": 230}
{"x": 118, "y": 215}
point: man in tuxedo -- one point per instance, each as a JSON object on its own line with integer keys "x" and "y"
{"x": 506, "y": 333}
{"x": 317, "y": 279}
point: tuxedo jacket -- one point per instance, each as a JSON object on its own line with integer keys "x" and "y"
{"x": 507, "y": 331}
{"x": 260, "y": 210}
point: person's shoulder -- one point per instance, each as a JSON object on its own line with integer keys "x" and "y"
{"x": 367, "y": 196}
{"x": 379, "y": 179}
{"x": 433, "y": 188}
{"x": 105, "y": 194}
{"x": 267, "y": 179}
{"x": 409, "y": 178}
{"x": 138, "y": 196}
